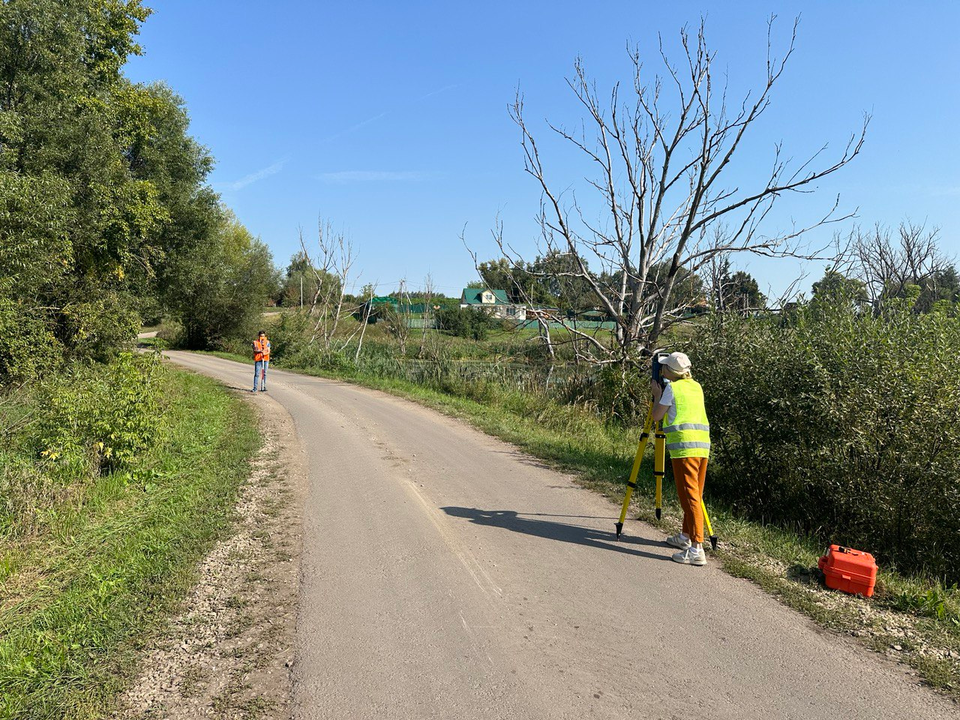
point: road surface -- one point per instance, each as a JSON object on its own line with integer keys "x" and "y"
{"x": 447, "y": 575}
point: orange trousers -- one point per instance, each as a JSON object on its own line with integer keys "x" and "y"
{"x": 690, "y": 474}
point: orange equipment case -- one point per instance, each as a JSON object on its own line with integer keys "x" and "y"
{"x": 851, "y": 571}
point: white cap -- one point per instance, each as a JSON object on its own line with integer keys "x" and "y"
{"x": 678, "y": 362}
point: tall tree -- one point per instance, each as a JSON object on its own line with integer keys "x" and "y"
{"x": 664, "y": 188}
{"x": 75, "y": 225}
{"x": 225, "y": 284}
{"x": 104, "y": 206}
{"x": 891, "y": 262}
{"x": 835, "y": 287}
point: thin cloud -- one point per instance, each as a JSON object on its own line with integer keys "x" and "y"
{"x": 363, "y": 123}
{"x": 359, "y": 176}
{"x": 255, "y": 177}
{"x": 359, "y": 125}
{"x": 436, "y": 92}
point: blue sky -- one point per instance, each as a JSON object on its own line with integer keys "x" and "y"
{"x": 389, "y": 119}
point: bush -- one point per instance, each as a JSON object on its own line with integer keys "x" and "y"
{"x": 617, "y": 394}
{"x": 97, "y": 418}
{"x": 842, "y": 424}
{"x": 465, "y": 322}
{"x": 289, "y": 336}
{"x": 27, "y": 347}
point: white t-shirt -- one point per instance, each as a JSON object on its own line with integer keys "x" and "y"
{"x": 667, "y": 399}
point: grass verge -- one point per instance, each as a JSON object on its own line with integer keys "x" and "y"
{"x": 84, "y": 595}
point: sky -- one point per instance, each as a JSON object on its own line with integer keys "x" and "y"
{"x": 389, "y": 120}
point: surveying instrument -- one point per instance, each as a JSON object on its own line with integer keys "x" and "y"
{"x": 659, "y": 461}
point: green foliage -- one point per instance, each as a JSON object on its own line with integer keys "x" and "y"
{"x": 834, "y": 287}
{"x": 740, "y": 291}
{"x": 619, "y": 393}
{"x": 299, "y": 282}
{"x": 843, "y": 424}
{"x": 942, "y": 286}
{"x": 465, "y": 322}
{"x": 75, "y": 223}
{"x": 27, "y": 347}
{"x": 929, "y": 602}
{"x": 115, "y": 553}
{"x": 223, "y": 286}
{"x": 100, "y": 418}
{"x": 687, "y": 289}
{"x": 548, "y": 280}
{"x": 104, "y": 214}
{"x": 34, "y": 220}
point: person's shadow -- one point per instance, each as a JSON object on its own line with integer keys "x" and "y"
{"x": 562, "y": 532}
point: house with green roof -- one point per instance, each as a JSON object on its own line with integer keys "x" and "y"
{"x": 493, "y": 302}
{"x": 373, "y": 309}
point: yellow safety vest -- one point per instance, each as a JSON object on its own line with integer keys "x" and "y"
{"x": 688, "y": 434}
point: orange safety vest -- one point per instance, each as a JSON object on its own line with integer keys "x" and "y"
{"x": 259, "y": 348}
{"x": 266, "y": 348}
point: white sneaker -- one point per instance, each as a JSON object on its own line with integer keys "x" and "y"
{"x": 690, "y": 556}
{"x": 679, "y": 541}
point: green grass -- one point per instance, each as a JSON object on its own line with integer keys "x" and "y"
{"x": 84, "y": 595}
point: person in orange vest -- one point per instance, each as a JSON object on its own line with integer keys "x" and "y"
{"x": 261, "y": 360}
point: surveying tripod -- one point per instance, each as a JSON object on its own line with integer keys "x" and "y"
{"x": 659, "y": 465}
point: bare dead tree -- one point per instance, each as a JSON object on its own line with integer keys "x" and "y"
{"x": 398, "y": 319}
{"x": 427, "y": 312}
{"x": 369, "y": 291}
{"x": 887, "y": 261}
{"x": 331, "y": 266}
{"x": 663, "y": 181}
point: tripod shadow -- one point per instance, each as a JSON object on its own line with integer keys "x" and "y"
{"x": 562, "y": 532}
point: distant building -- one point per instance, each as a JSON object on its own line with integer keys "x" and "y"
{"x": 546, "y": 314}
{"x": 374, "y": 308}
{"x": 492, "y": 302}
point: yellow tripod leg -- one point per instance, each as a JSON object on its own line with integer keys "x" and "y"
{"x": 706, "y": 520}
{"x": 659, "y": 465}
{"x": 638, "y": 458}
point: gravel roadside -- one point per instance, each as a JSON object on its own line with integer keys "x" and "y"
{"x": 229, "y": 653}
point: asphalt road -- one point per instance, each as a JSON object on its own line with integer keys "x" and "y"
{"x": 447, "y": 575}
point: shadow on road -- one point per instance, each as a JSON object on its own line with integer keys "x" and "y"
{"x": 563, "y": 532}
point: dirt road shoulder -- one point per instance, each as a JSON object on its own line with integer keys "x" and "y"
{"x": 230, "y": 650}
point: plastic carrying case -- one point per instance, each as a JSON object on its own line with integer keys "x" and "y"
{"x": 851, "y": 571}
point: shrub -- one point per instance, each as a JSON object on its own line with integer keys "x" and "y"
{"x": 289, "y": 336}
{"x": 465, "y": 322}
{"x": 843, "y": 424}
{"x": 97, "y": 418}
{"x": 27, "y": 347}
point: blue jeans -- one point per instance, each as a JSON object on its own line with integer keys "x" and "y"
{"x": 260, "y": 371}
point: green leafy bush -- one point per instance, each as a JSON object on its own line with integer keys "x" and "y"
{"x": 98, "y": 418}
{"x": 842, "y": 424}
{"x": 289, "y": 336}
{"x": 465, "y": 322}
{"x": 27, "y": 346}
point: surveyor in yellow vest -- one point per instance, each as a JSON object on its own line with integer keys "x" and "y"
{"x": 680, "y": 405}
